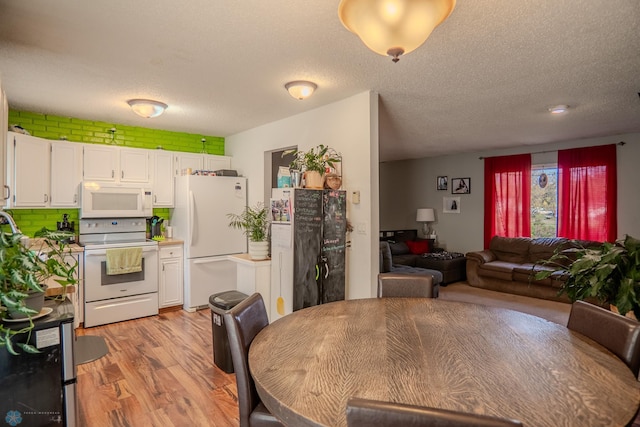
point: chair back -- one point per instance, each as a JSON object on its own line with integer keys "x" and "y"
{"x": 618, "y": 334}
{"x": 406, "y": 285}
{"x": 243, "y": 322}
{"x": 364, "y": 412}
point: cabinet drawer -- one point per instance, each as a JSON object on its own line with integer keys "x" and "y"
{"x": 171, "y": 252}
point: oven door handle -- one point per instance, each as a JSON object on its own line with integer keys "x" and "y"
{"x": 103, "y": 252}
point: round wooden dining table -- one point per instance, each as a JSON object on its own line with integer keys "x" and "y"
{"x": 452, "y": 355}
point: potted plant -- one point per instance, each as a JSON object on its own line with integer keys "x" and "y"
{"x": 314, "y": 163}
{"x": 255, "y": 225}
{"x": 609, "y": 273}
{"x": 24, "y": 272}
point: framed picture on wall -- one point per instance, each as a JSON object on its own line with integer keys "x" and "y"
{"x": 441, "y": 183}
{"x": 460, "y": 185}
{"x": 451, "y": 205}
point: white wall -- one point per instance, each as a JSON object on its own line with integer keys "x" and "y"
{"x": 464, "y": 232}
{"x": 350, "y": 127}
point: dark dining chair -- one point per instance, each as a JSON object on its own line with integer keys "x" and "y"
{"x": 243, "y": 322}
{"x": 365, "y": 412}
{"x": 617, "y": 333}
{"x": 406, "y": 286}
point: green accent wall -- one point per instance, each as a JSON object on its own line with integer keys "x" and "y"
{"x": 90, "y": 132}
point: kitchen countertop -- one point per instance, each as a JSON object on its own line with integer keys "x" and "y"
{"x": 171, "y": 241}
{"x": 36, "y": 243}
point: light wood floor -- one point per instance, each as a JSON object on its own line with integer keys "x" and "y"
{"x": 159, "y": 372}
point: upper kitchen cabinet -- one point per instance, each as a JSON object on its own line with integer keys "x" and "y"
{"x": 135, "y": 165}
{"x": 100, "y": 163}
{"x": 184, "y": 161}
{"x": 116, "y": 164}
{"x": 163, "y": 178}
{"x": 214, "y": 163}
{"x": 43, "y": 173}
{"x": 195, "y": 161}
{"x": 66, "y": 174}
{"x": 29, "y": 177}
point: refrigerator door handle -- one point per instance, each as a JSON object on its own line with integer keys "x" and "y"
{"x": 192, "y": 204}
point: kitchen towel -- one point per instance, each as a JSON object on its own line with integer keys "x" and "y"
{"x": 124, "y": 260}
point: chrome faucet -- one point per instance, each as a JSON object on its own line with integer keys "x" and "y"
{"x": 9, "y": 220}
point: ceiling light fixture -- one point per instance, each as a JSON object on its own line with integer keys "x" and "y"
{"x": 394, "y": 27}
{"x": 559, "y": 109}
{"x": 301, "y": 89}
{"x": 147, "y": 108}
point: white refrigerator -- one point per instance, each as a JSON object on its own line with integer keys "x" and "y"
{"x": 202, "y": 204}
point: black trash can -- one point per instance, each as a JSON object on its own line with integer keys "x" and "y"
{"x": 220, "y": 303}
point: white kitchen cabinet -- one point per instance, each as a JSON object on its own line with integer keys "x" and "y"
{"x": 76, "y": 298}
{"x": 116, "y": 164}
{"x": 163, "y": 176}
{"x": 30, "y": 171}
{"x": 43, "y": 173}
{"x": 66, "y": 174}
{"x": 184, "y": 161}
{"x": 100, "y": 163}
{"x": 214, "y": 163}
{"x": 254, "y": 276}
{"x": 171, "y": 276}
{"x": 134, "y": 165}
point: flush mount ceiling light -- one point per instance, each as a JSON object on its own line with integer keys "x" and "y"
{"x": 393, "y": 27}
{"x": 301, "y": 89}
{"x": 559, "y": 109}
{"x": 147, "y": 108}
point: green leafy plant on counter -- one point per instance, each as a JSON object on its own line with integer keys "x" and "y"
{"x": 252, "y": 221}
{"x": 25, "y": 269}
{"x": 315, "y": 159}
{"x": 609, "y": 272}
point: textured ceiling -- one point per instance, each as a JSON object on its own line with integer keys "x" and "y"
{"x": 483, "y": 80}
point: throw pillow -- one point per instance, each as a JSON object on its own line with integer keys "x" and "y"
{"x": 418, "y": 247}
{"x": 399, "y": 248}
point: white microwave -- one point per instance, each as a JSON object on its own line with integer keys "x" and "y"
{"x": 109, "y": 200}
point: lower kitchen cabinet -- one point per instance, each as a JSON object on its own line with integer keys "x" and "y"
{"x": 171, "y": 276}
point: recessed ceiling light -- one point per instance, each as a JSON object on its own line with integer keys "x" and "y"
{"x": 559, "y": 109}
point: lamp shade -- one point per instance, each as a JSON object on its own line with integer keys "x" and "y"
{"x": 425, "y": 215}
{"x": 393, "y": 27}
{"x": 147, "y": 108}
{"x": 300, "y": 89}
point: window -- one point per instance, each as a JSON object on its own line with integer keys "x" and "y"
{"x": 576, "y": 199}
{"x": 544, "y": 200}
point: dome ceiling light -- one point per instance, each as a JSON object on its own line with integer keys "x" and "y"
{"x": 147, "y": 108}
{"x": 393, "y": 27}
{"x": 301, "y": 89}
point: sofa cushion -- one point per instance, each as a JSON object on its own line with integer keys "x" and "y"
{"x": 418, "y": 247}
{"x": 543, "y": 248}
{"x": 526, "y": 273}
{"x": 498, "y": 269}
{"x": 385, "y": 257}
{"x": 510, "y": 249}
{"x": 406, "y": 259}
{"x": 399, "y": 248}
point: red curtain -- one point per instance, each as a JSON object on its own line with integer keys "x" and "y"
{"x": 587, "y": 193}
{"x": 507, "y": 197}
